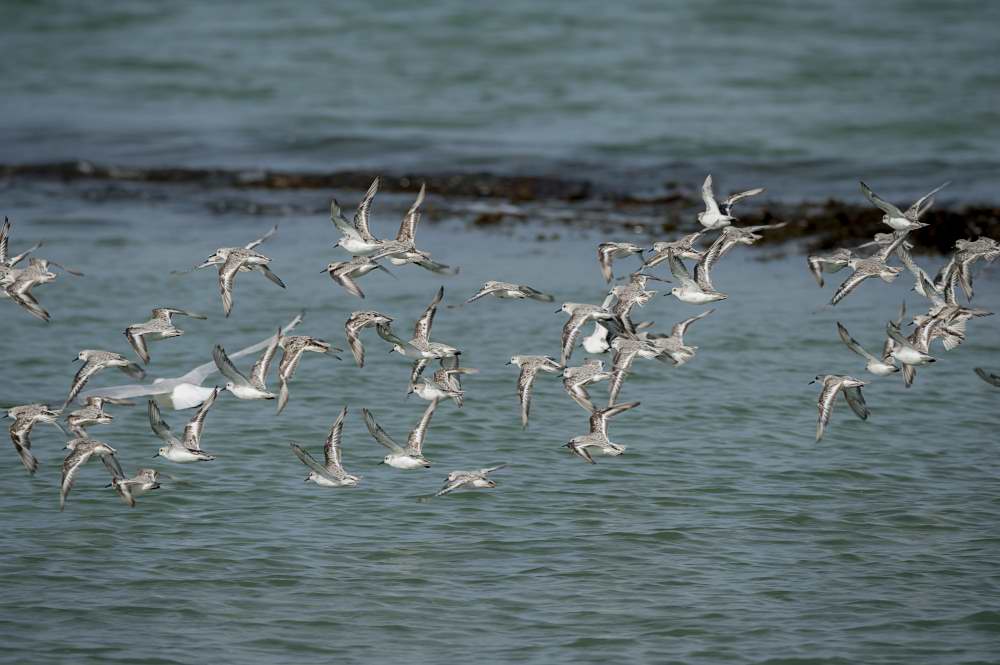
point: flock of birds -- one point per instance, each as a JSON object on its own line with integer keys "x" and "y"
{"x": 613, "y": 329}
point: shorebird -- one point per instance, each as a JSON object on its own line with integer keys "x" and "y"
{"x": 508, "y": 290}
{"x": 597, "y": 341}
{"x": 883, "y": 366}
{"x": 469, "y": 480}
{"x": 145, "y": 480}
{"x": 159, "y": 327}
{"x": 598, "y": 436}
{"x": 444, "y": 383}
{"x": 579, "y": 314}
{"x": 187, "y": 449}
{"x": 914, "y": 350}
{"x": 232, "y": 260}
{"x": 576, "y": 380}
{"x": 833, "y": 384}
{"x": 92, "y": 414}
{"x": 829, "y": 263}
{"x": 626, "y": 351}
{"x": 718, "y": 216}
{"x": 403, "y": 249}
{"x": 607, "y": 252}
{"x": 530, "y": 366}
{"x": 81, "y": 450}
{"x": 897, "y": 219}
{"x": 345, "y": 272}
{"x": 6, "y": 260}
{"x": 18, "y": 282}
{"x": 988, "y": 377}
{"x": 682, "y": 248}
{"x": 420, "y": 347}
{"x": 673, "y": 345}
{"x": 357, "y": 239}
{"x": 874, "y": 266}
{"x": 357, "y": 322}
{"x": 730, "y": 237}
{"x": 93, "y": 362}
{"x": 254, "y": 387}
{"x": 695, "y": 292}
{"x": 331, "y": 473}
{"x": 410, "y": 457}
{"x": 294, "y": 346}
{"x": 623, "y": 298}
{"x": 25, "y": 417}
{"x": 967, "y": 253}
{"x": 185, "y": 391}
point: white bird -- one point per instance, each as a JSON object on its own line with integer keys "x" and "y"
{"x": 833, "y": 384}
{"x": 410, "y": 457}
{"x": 185, "y": 391}
{"x": 187, "y": 449}
{"x": 579, "y": 314}
{"x": 469, "y": 480}
{"x": 911, "y": 351}
{"x": 357, "y": 238}
{"x": 331, "y": 473}
{"x": 254, "y": 387}
{"x": 420, "y": 347}
{"x": 896, "y": 218}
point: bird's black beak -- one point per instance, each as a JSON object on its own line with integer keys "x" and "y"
{"x": 156, "y": 455}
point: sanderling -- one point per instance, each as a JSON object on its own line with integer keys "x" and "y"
{"x": 469, "y": 480}
{"x": 331, "y": 473}
{"x": 81, "y": 450}
{"x": 187, "y": 449}
{"x": 444, "y": 384}
{"x": 232, "y": 260}
{"x": 18, "y": 282}
{"x": 508, "y": 290}
{"x": 607, "y": 252}
{"x": 579, "y": 314}
{"x": 410, "y": 457}
{"x": 357, "y": 322}
{"x": 626, "y": 351}
{"x": 691, "y": 291}
{"x": 294, "y": 346}
{"x": 897, "y": 219}
{"x": 682, "y": 247}
{"x": 92, "y": 414}
{"x": 357, "y": 239}
{"x": 420, "y": 347}
{"x": 345, "y": 272}
{"x": 93, "y": 362}
{"x": 145, "y": 480}
{"x": 833, "y": 384}
{"x": 159, "y": 327}
{"x": 716, "y": 216}
{"x": 830, "y": 263}
{"x": 576, "y": 380}
{"x": 24, "y": 418}
{"x": 530, "y": 366}
{"x": 874, "y": 266}
{"x": 988, "y": 377}
{"x": 403, "y": 249}
{"x": 598, "y": 435}
{"x": 883, "y": 366}
{"x": 254, "y": 387}
{"x": 673, "y": 345}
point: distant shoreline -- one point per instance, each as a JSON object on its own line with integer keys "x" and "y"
{"x": 491, "y": 200}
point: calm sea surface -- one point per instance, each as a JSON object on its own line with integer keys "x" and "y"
{"x": 806, "y": 96}
{"x": 724, "y": 534}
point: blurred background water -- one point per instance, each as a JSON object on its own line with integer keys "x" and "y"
{"x": 724, "y": 534}
{"x": 807, "y": 96}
